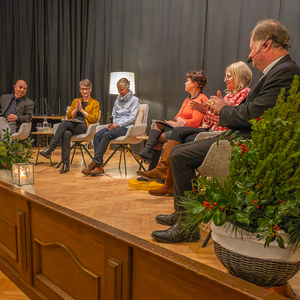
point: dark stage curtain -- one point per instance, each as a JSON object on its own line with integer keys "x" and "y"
{"x": 53, "y": 44}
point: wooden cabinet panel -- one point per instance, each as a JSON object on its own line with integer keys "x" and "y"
{"x": 8, "y": 239}
{"x": 68, "y": 256}
{"x": 117, "y": 269}
{"x": 15, "y": 234}
{"x": 8, "y": 207}
{"x": 58, "y": 269}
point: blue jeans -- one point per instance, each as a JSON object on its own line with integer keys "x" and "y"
{"x": 102, "y": 139}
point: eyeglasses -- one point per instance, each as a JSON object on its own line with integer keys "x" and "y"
{"x": 228, "y": 78}
{"x": 84, "y": 89}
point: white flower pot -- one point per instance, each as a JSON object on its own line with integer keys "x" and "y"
{"x": 245, "y": 243}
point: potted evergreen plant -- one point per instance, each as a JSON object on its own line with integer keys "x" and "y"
{"x": 259, "y": 201}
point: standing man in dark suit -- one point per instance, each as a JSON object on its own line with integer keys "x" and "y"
{"x": 15, "y": 109}
{"x": 269, "y": 54}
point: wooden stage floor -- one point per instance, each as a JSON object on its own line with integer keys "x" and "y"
{"x": 109, "y": 199}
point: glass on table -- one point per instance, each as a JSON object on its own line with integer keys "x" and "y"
{"x": 49, "y": 127}
{"x": 39, "y": 127}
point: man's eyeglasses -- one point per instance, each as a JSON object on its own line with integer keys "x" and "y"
{"x": 228, "y": 78}
{"x": 84, "y": 89}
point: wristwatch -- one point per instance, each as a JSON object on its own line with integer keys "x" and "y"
{"x": 85, "y": 113}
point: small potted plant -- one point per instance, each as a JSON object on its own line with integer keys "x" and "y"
{"x": 13, "y": 151}
{"x": 259, "y": 201}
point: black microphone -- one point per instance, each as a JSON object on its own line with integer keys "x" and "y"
{"x": 284, "y": 45}
{"x": 251, "y": 58}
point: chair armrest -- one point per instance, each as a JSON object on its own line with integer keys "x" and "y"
{"x": 136, "y": 130}
{"x": 100, "y": 127}
{"x": 88, "y": 136}
{"x": 216, "y": 162}
{"x": 204, "y": 135}
{"x": 23, "y": 132}
{"x": 131, "y": 135}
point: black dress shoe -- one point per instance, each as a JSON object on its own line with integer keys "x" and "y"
{"x": 174, "y": 235}
{"x": 65, "y": 168}
{"x": 46, "y": 153}
{"x": 169, "y": 220}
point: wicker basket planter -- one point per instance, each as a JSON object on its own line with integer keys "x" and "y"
{"x": 245, "y": 257}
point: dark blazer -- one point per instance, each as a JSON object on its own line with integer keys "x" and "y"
{"x": 262, "y": 96}
{"x": 24, "y": 110}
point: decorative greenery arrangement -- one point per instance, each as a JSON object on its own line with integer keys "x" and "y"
{"x": 261, "y": 192}
{"x": 13, "y": 151}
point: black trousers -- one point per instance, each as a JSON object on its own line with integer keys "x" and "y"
{"x": 185, "y": 134}
{"x": 184, "y": 160}
{"x": 64, "y": 133}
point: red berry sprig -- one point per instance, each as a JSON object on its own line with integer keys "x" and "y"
{"x": 275, "y": 230}
{"x": 207, "y": 205}
{"x": 243, "y": 147}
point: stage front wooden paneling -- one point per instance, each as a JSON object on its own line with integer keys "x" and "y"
{"x": 51, "y": 252}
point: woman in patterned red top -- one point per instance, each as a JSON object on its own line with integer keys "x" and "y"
{"x": 238, "y": 77}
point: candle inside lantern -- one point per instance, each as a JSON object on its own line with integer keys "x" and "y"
{"x": 22, "y": 173}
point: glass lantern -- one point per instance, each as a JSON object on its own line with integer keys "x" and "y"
{"x": 22, "y": 173}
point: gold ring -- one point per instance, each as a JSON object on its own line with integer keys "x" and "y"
{"x": 212, "y": 102}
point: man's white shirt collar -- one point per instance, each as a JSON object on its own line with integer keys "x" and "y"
{"x": 273, "y": 63}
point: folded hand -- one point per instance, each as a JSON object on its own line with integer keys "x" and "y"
{"x": 215, "y": 103}
{"x": 112, "y": 126}
{"x": 12, "y": 118}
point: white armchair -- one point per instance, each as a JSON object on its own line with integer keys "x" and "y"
{"x": 23, "y": 132}
{"x": 132, "y": 135}
{"x": 216, "y": 162}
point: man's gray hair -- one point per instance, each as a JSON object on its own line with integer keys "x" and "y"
{"x": 270, "y": 28}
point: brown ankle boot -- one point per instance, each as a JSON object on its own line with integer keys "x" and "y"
{"x": 157, "y": 173}
{"x": 167, "y": 188}
{"x": 86, "y": 171}
{"x": 98, "y": 170}
{"x": 160, "y": 171}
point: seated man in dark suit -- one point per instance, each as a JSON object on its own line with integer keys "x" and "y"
{"x": 269, "y": 54}
{"x": 15, "y": 109}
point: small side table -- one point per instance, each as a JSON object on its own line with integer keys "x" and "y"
{"x": 40, "y": 134}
